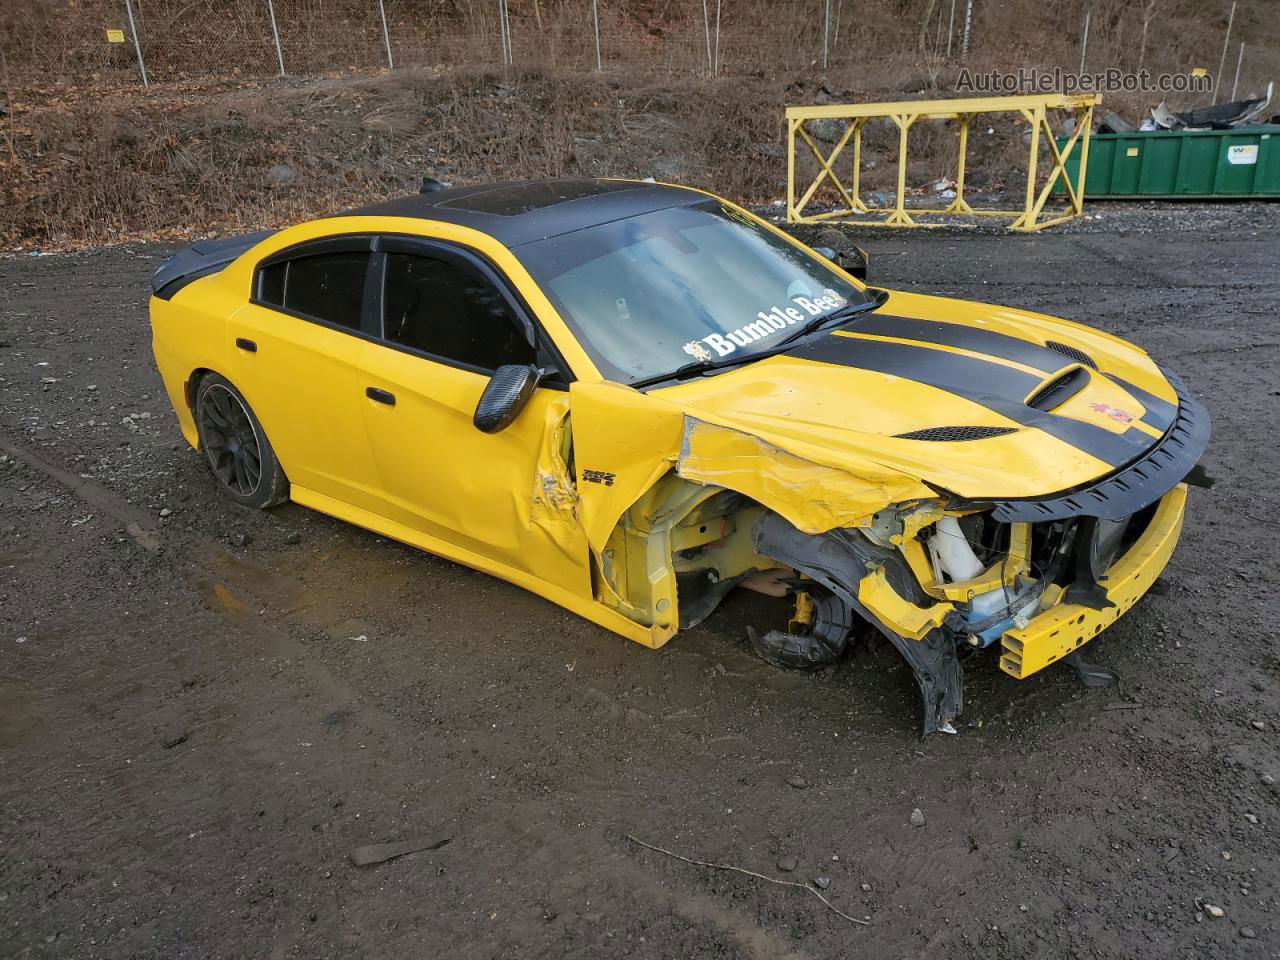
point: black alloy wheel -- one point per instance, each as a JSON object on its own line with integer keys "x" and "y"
{"x": 235, "y": 446}
{"x": 230, "y": 441}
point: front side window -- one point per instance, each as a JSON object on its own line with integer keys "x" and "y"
{"x": 323, "y": 286}
{"x": 451, "y": 311}
{"x": 649, "y": 294}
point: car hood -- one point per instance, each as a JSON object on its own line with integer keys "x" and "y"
{"x": 983, "y": 401}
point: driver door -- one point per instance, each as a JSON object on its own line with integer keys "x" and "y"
{"x": 447, "y": 322}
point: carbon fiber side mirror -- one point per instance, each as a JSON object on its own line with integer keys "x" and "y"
{"x": 504, "y": 396}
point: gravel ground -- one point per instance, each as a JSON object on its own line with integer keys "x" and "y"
{"x": 202, "y": 709}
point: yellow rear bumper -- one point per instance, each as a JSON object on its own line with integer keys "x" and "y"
{"x": 1059, "y": 630}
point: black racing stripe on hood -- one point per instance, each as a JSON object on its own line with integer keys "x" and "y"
{"x": 1160, "y": 413}
{"x": 996, "y": 345}
{"x": 988, "y": 383}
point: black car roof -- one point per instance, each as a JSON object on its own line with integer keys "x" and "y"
{"x": 523, "y": 211}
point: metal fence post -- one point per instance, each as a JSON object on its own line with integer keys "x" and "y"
{"x": 968, "y": 20}
{"x": 1222, "y": 62}
{"x": 386, "y": 34}
{"x": 706, "y": 32}
{"x": 504, "y": 33}
{"x": 1239, "y": 61}
{"x": 595, "y": 17}
{"x": 506, "y": 29}
{"x": 275, "y": 33}
{"x": 1084, "y": 40}
{"x": 715, "y": 67}
{"x": 951, "y": 28}
{"x": 826, "y": 31}
{"x": 133, "y": 30}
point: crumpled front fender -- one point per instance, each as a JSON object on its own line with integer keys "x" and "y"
{"x": 625, "y": 441}
{"x": 813, "y": 496}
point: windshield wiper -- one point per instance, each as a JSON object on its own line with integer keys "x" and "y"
{"x": 877, "y": 300}
{"x": 694, "y": 369}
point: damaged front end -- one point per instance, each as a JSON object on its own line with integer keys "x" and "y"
{"x": 941, "y": 577}
{"x": 939, "y": 584}
{"x": 943, "y": 584}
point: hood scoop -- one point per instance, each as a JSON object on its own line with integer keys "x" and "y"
{"x": 1059, "y": 390}
{"x": 955, "y": 434}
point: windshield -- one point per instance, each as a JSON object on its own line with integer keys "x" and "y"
{"x": 650, "y": 294}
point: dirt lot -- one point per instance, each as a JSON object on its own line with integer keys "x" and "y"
{"x": 202, "y": 708}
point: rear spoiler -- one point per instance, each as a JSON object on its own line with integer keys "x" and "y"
{"x": 200, "y": 260}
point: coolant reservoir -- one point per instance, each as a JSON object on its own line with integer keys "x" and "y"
{"x": 991, "y": 613}
{"x": 951, "y": 551}
{"x": 982, "y": 608}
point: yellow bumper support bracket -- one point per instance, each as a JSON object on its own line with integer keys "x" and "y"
{"x": 1068, "y": 626}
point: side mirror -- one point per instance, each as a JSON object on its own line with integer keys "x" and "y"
{"x": 505, "y": 395}
{"x": 852, "y": 259}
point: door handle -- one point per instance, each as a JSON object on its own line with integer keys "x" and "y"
{"x": 248, "y": 346}
{"x": 382, "y": 396}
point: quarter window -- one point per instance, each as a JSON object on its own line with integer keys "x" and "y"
{"x": 451, "y": 311}
{"x": 326, "y": 286}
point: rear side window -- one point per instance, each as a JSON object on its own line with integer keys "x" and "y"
{"x": 451, "y": 311}
{"x": 326, "y": 286}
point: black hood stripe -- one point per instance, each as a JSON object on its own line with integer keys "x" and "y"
{"x": 986, "y": 382}
{"x": 1160, "y": 413}
{"x": 999, "y": 346}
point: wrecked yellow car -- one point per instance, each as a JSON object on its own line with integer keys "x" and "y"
{"x": 634, "y": 398}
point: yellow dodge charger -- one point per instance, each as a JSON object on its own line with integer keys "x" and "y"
{"x": 633, "y": 398}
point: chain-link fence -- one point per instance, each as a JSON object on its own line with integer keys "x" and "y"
{"x": 79, "y": 41}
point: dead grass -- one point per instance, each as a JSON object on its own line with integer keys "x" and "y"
{"x": 107, "y": 161}
{"x": 106, "y": 168}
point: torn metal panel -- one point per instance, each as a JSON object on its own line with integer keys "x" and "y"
{"x": 814, "y": 497}
{"x": 623, "y": 442}
{"x": 554, "y": 501}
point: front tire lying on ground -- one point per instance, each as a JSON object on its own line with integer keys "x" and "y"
{"x": 236, "y": 447}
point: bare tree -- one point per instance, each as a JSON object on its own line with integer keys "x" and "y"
{"x": 1148, "y": 14}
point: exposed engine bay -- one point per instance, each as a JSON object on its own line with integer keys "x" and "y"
{"x": 940, "y": 583}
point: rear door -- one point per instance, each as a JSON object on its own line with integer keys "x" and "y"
{"x": 298, "y": 344}
{"x": 448, "y": 321}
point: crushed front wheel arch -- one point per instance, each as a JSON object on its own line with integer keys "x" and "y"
{"x": 840, "y": 560}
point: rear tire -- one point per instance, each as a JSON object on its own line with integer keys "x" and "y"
{"x": 236, "y": 447}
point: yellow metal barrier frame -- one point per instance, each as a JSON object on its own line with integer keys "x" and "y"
{"x": 906, "y": 113}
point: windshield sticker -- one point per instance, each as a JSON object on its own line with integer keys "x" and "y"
{"x": 767, "y": 323}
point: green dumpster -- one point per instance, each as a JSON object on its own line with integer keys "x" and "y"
{"x": 1243, "y": 162}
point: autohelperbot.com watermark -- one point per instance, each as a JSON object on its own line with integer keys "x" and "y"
{"x": 1111, "y": 80}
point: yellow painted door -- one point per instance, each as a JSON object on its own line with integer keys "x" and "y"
{"x": 506, "y": 496}
{"x": 296, "y": 354}
{"x": 503, "y": 495}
